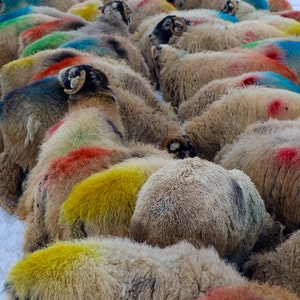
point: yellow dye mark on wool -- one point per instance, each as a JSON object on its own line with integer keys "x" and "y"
{"x": 110, "y": 192}
{"x": 50, "y": 265}
{"x": 88, "y": 11}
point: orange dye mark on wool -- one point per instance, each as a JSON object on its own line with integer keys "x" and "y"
{"x": 287, "y": 156}
{"x": 275, "y": 108}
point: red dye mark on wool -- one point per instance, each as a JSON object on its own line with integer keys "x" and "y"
{"x": 234, "y": 69}
{"x": 275, "y": 108}
{"x": 52, "y": 129}
{"x": 142, "y": 3}
{"x": 273, "y": 52}
{"x": 249, "y": 80}
{"x": 287, "y": 156}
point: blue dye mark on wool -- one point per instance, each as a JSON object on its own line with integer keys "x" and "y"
{"x": 16, "y": 13}
{"x": 11, "y": 5}
{"x": 274, "y": 80}
{"x": 227, "y": 17}
{"x": 291, "y": 52}
{"x": 259, "y": 4}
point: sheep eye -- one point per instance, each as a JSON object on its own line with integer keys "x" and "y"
{"x": 174, "y": 146}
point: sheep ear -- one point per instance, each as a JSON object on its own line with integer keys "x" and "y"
{"x": 76, "y": 83}
{"x": 180, "y": 145}
{"x": 180, "y": 27}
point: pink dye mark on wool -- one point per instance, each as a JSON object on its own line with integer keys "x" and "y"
{"x": 250, "y": 36}
{"x": 287, "y": 156}
{"x": 142, "y": 3}
{"x": 275, "y": 108}
{"x": 234, "y": 69}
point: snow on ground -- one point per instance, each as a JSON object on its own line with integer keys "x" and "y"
{"x": 11, "y": 230}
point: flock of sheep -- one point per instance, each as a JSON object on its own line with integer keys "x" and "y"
{"x": 152, "y": 148}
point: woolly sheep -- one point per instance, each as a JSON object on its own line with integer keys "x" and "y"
{"x": 269, "y": 154}
{"x": 215, "y": 89}
{"x": 244, "y": 11}
{"x": 183, "y": 199}
{"x": 280, "y": 266}
{"x": 36, "y": 32}
{"x": 22, "y": 129}
{"x": 10, "y": 31}
{"x": 284, "y": 50}
{"x": 219, "y": 37}
{"x": 292, "y": 14}
{"x": 55, "y": 183}
{"x": 228, "y": 117}
{"x": 182, "y": 74}
{"x": 118, "y": 268}
{"x": 249, "y": 291}
{"x": 113, "y": 20}
{"x": 11, "y": 5}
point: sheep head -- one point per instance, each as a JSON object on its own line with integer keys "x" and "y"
{"x": 230, "y": 7}
{"x": 167, "y": 28}
{"x": 182, "y": 146}
{"x": 119, "y": 7}
{"x": 85, "y": 80}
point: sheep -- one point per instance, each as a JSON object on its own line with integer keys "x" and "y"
{"x": 10, "y": 31}
{"x": 214, "y": 37}
{"x": 68, "y": 135}
{"x": 292, "y": 14}
{"x": 11, "y": 5}
{"x": 244, "y": 11}
{"x": 228, "y": 117}
{"x": 184, "y": 198}
{"x": 114, "y": 46}
{"x": 214, "y": 5}
{"x": 89, "y": 9}
{"x": 113, "y": 20}
{"x": 213, "y": 91}
{"x": 36, "y": 32}
{"x": 269, "y": 154}
{"x": 279, "y": 5}
{"x": 22, "y": 129}
{"x": 249, "y": 291}
{"x": 280, "y": 266}
{"x": 55, "y": 183}
{"x": 284, "y": 50}
{"x": 181, "y": 74}
{"x": 133, "y": 271}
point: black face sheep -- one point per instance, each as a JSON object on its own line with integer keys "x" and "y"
{"x": 228, "y": 117}
{"x": 215, "y": 89}
{"x": 114, "y": 268}
{"x": 269, "y": 153}
{"x": 22, "y": 131}
{"x": 201, "y": 202}
{"x": 181, "y": 74}
{"x": 280, "y": 266}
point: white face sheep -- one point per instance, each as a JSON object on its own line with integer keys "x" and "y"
{"x": 269, "y": 153}
{"x": 114, "y": 268}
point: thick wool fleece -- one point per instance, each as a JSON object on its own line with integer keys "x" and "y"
{"x": 114, "y": 268}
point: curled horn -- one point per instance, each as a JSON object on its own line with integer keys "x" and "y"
{"x": 182, "y": 22}
{"x": 76, "y": 83}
